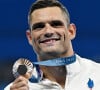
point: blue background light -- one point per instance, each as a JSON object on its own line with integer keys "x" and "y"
{"x": 13, "y": 24}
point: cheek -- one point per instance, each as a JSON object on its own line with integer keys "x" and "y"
{"x": 35, "y": 38}
{"x": 36, "y": 35}
{"x": 34, "y": 44}
{"x": 64, "y": 35}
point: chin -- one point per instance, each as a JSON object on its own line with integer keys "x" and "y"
{"x": 52, "y": 52}
{"x": 52, "y": 49}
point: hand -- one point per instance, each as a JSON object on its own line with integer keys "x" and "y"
{"x": 20, "y": 83}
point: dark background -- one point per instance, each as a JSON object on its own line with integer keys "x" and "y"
{"x": 13, "y": 24}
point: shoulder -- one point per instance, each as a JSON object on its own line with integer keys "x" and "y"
{"x": 89, "y": 67}
{"x": 35, "y": 86}
{"x": 88, "y": 63}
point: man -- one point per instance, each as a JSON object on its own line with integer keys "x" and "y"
{"x": 50, "y": 36}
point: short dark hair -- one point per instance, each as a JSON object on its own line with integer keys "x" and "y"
{"x": 48, "y": 3}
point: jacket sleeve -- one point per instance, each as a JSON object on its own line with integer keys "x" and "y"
{"x": 8, "y": 87}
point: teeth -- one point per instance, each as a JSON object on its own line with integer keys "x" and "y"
{"x": 49, "y": 40}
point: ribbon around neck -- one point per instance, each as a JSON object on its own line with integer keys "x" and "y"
{"x": 57, "y": 61}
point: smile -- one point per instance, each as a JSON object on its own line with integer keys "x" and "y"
{"x": 49, "y": 40}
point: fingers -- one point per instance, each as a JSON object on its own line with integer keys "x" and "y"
{"x": 21, "y": 88}
{"x": 21, "y": 83}
{"x": 28, "y": 75}
{"x": 19, "y": 79}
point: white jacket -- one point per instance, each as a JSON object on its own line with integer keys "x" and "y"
{"x": 78, "y": 75}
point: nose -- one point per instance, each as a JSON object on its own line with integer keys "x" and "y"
{"x": 48, "y": 31}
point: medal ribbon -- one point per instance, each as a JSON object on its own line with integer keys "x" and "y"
{"x": 57, "y": 61}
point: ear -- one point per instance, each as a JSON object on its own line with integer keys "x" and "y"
{"x": 72, "y": 31}
{"x": 29, "y": 37}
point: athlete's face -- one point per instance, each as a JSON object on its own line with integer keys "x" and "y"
{"x": 49, "y": 32}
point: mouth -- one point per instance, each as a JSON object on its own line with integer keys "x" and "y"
{"x": 49, "y": 40}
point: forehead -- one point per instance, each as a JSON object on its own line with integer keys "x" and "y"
{"x": 47, "y": 14}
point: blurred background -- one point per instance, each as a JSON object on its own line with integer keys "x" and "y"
{"x": 13, "y": 24}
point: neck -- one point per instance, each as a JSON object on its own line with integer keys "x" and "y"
{"x": 53, "y": 56}
{"x": 55, "y": 74}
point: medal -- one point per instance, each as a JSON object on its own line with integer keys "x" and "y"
{"x": 24, "y": 67}
{"x": 31, "y": 70}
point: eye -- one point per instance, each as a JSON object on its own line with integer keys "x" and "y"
{"x": 56, "y": 24}
{"x": 38, "y": 26}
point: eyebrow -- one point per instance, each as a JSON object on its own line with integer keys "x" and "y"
{"x": 43, "y": 23}
{"x": 57, "y": 22}
{"x": 37, "y": 24}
